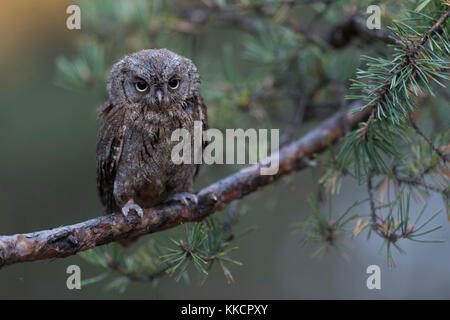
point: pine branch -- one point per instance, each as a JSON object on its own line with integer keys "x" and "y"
{"x": 355, "y": 27}
{"x": 409, "y": 60}
{"x": 373, "y": 213}
{"x": 68, "y": 240}
{"x": 133, "y": 276}
{"x": 389, "y": 87}
{"x": 427, "y": 140}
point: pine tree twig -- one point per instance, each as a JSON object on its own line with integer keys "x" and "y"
{"x": 343, "y": 33}
{"x": 414, "y": 51}
{"x": 137, "y": 277}
{"x": 427, "y": 140}
{"x": 339, "y": 36}
{"x": 302, "y": 100}
{"x": 189, "y": 251}
{"x": 417, "y": 182}
{"x": 235, "y": 14}
{"x": 373, "y": 212}
{"x": 256, "y": 6}
{"x": 68, "y": 240}
{"x": 299, "y": 113}
{"x": 355, "y": 27}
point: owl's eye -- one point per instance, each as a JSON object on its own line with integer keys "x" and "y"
{"x": 174, "y": 83}
{"x": 141, "y": 86}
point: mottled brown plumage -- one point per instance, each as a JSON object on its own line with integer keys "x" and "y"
{"x": 151, "y": 93}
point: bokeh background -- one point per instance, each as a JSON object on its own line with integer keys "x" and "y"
{"x": 47, "y": 179}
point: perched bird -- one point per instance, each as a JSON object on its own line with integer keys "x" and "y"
{"x": 151, "y": 93}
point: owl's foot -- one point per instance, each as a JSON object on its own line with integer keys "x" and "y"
{"x": 130, "y": 205}
{"x": 183, "y": 197}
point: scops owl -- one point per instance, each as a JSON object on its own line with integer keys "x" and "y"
{"x": 151, "y": 93}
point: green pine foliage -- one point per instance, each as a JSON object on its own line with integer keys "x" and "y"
{"x": 391, "y": 86}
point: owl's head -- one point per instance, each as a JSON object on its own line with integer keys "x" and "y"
{"x": 157, "y": 78}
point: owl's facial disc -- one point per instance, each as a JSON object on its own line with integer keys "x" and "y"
{"x": 154, "y": 78}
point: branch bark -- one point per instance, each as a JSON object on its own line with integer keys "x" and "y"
{"x": 68, "y": 240}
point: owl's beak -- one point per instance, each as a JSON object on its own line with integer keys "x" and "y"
{"x": 159, "y": 95}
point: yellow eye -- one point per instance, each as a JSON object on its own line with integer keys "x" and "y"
{"x": 174, "y": 84}
{"x": 141, "y": 86}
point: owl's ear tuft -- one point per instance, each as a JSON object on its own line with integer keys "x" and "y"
{"x": 194, "y": 77}
{"x": 115, "y": 81}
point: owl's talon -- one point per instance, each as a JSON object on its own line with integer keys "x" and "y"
{"x": 183, "y": 197}
{"x": 130, "y": 205}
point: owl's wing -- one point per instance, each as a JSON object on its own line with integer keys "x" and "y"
{"x": 201, "y": 110}
{"x": 109, "y": 150}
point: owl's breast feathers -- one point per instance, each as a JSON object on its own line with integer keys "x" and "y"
{"x": 120, "y": 140}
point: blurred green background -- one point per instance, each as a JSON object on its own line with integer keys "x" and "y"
{"x": 47, "y": 179}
